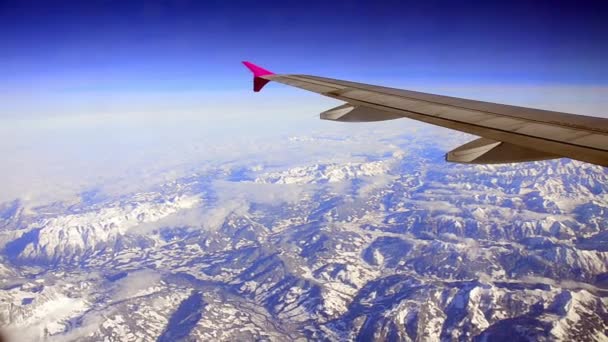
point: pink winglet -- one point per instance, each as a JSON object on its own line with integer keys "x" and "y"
{"x": 256, "y": 70}
{"x": 258, "y": 82}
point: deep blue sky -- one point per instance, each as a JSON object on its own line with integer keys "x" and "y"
{"x": 164, "y": 45}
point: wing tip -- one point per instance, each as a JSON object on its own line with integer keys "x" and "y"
{"x": 258, "y": 72}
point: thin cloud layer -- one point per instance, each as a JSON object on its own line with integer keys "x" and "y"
{"x": 126, "y": 149}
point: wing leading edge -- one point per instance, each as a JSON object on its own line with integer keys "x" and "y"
{"x": 509, "y": 133}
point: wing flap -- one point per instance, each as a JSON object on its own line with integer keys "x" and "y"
{"x": 488, "y": 151}
{"x": 350, "y": 113}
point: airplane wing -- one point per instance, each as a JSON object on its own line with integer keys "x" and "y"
{"x": 508, "y": 134}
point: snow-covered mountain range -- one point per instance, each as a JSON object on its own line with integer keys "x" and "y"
{"x": 397, "y": 247}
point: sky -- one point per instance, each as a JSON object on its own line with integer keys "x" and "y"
{"x": 91, "y": 90}
{"x": 180, "y": 45}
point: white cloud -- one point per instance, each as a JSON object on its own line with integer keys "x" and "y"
{"x": 54, "y": 148}
{"x": 91, "y": 323}
{"x": 264, "y": 193}
{"x": 566, "y": 284}
{"x": 232, "y": 198}
{"x": 213, "y": 218}
{"x": 135, "y": 283}
{"x": 373, "y": 183}
{"x": 188, "y": 217}
{"x": 436, "y": 207}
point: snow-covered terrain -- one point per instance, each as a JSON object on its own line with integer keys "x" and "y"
{"x": 395, "y": 246}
